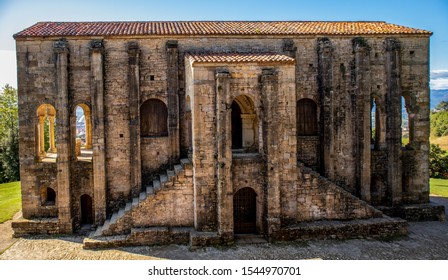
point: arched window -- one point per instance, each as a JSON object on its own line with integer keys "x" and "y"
{"x": 374, "y": 125}
{"x": 244, "y": 124}
{"x": 237, "y": 127}
{"x": 307, "y": 118}
{"x": 153, "y": 118}
{"x": 48, "y": 196}
{"x": 83, "y": 132}
{"x": 45, "y": 133}
{"x": 405, "y": 124}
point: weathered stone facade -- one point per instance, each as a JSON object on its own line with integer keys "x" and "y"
{"x": 186, "y": 132}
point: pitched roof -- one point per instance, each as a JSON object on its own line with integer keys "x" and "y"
{"x": 239, "y": 58}
{"x": 67, "y": 29}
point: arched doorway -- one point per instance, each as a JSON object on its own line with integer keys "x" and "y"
{"x": 86, "y": 209}
{"x": 245, "y": 211}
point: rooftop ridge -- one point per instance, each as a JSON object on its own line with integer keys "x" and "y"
{"x": 238, "y": 57}
{"x": 204, "y": 28}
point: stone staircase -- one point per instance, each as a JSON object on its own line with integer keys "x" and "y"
{"x": 330, "y": 212}
{"x": 120, "y": 224}
{"x": 345, "y": 203}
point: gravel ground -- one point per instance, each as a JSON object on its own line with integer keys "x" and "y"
{"x": 426, "y": 240}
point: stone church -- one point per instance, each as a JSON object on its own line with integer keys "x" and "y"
{"x": 197, "y": 132}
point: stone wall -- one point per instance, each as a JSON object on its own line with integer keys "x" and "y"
{"x": 320, "y": 199}
{"x": 26, "y": 227}
{"x": 114, "y": 76}
{"x": 154, "y": 157}
{"x": 308, "y": 151}
{"x": 81, "y": 182}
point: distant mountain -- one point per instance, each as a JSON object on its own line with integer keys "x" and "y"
{"x": 437, "y": 96}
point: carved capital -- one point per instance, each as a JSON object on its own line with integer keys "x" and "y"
{"x": 289, "y": 46}
{"x": 360, "y": 44}
{"x": 268, "y": 72}
{"x": 96, "y": 46}
{"x": 60, "y": 46}
{"x": 133, "y": 48}
{"x": 324, "y": 44}
{"x": 222, "y": 73}
{"x": 171, "y": 44}
{"x": 391, "y": 44}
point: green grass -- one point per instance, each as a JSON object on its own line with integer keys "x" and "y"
{"x": 439, "y": 187}
{"x": 10, "y": 200}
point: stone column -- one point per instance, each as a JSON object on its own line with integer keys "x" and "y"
{"x": 247, "y": 121}
{"x": 173, "y": 99}
{"x": 325, "y": 83}
{"x": 393, "y": 120}
{"x": 269, "y": 91}
{"x": 362, "y": 120}
{"x": 51, "y": 129}
{"x": 224, "y": 153}
{"x": 88, "y": 130}
{"x": 63, "y": 122}
{"x": 98, "y": 140}
{"x": 134, "y": 117}
{"x": 41, "y": 137}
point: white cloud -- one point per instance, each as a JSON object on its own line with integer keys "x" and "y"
{"x": 8, "y": 68}
{"x": 439, "y": 79}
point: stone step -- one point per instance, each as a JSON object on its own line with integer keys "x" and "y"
{"x": 98, "y": 231}
{"x": 185, "y": 161}
{"x": 177, "y": 168}
{"x": 142, "y": 196}
{"x": 170, "y": 174}
{"x": 128, "y": 206}
{"x": 134, "y": 202}
{"x": 149, "y": 190}
{"x": 120, "y": 213}
{"x": 105, "y": 226}
{"x": 163, "y": 178}
{"x": 113, "y": 219}
{"x": 157, "y": 185}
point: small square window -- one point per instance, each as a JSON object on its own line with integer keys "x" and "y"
{"x": 151, "y": 77}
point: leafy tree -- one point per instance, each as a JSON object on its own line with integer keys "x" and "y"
{"x": 9, "y": 135}
{"x": 439, "y": 123}
{"x": 442, "y": 106}
{"x": 438, "y": 162}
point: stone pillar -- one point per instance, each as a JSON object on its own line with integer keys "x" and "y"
{"x": 41, "y": 137}
{"x": 88, "y": 130}
{"x": 98, "y": 139}
{"x": 204, "y": 156}
{"x": 269, "y": 91}
{"x": 224, "y": 153}
{"x": 393, "y": 120}
{"x": 63, "y": 122}
{"x": 362, "y": 117}
{"x": 134, "y": 117}
{"x": 51, "y": 129}
{"x": 173, "y": 99}
{"x": 325, "y": 88}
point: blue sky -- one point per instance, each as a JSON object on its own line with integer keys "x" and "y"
{"x": 432, "y": 15}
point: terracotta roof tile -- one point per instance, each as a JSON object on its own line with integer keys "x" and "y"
{"x": 67, "y": 29}
{"x": 239, "y": 58}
